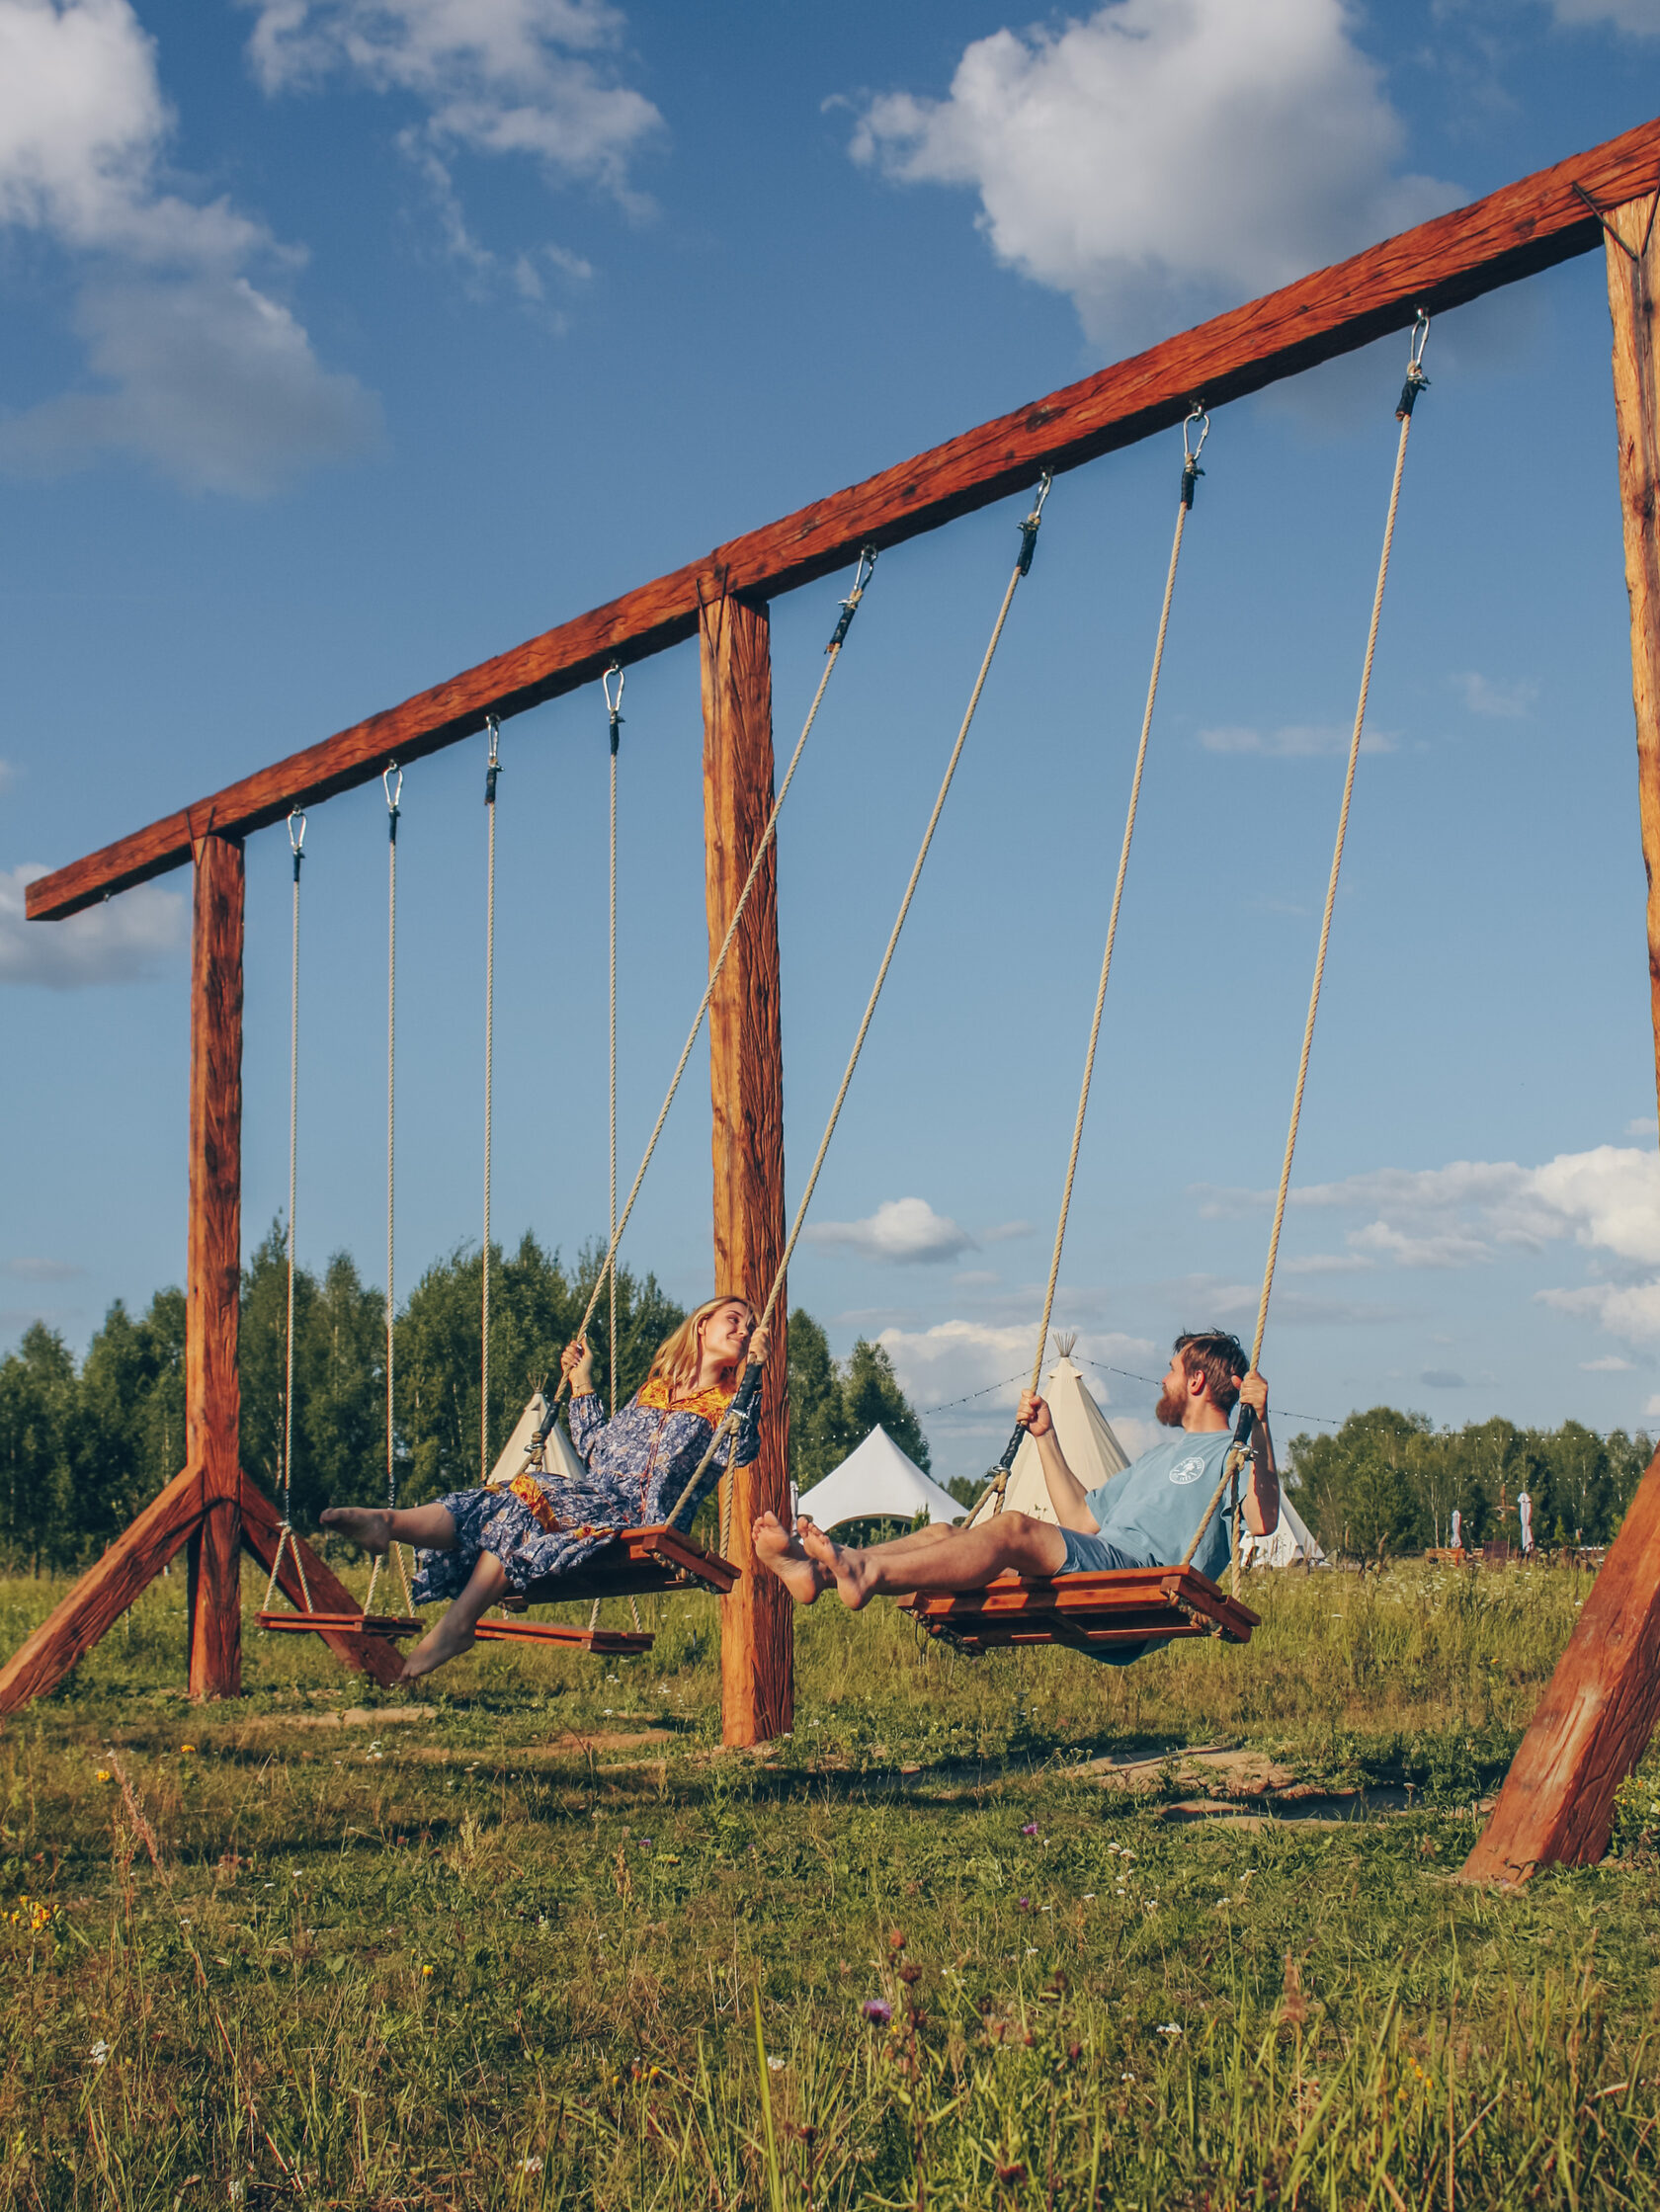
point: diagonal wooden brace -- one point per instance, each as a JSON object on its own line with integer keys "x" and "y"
{"x": 104, "y": 1593}
{"x": 262, "y": 1531}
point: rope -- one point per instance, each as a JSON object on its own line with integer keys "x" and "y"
{"x": 614, "y": 707}
{"x": 850, "y": 608}
{"x": 297, "y": 845}
{"x": 1022, "y": 566}
{"x": 1191, "y": 472}
{"x": 491, "y": 772}
{"x": 394, "y": 792}
{"x": 1415, "y": 381}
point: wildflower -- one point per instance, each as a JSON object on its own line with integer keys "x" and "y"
{"x": 1167, "y": 2027}
{"x": 530, "y": 2164}
{"x": 774, "y": 2065}
{"x": 877, "y": 2010}
{"x": 425, "y": 1970}
{"x": 1023, "y": 1904}
{"x": 1031, "y": 1829}
{"x": 896, "y": 1940}
{"x": 104, "y": 1774}
{"x": 99, "y": 2052}
{"x": 1088, "y": 1897}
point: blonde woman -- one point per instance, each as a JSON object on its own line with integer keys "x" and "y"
{"x": 476, "y": 1544}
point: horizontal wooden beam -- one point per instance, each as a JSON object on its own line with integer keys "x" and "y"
{"x": 1527, "y": 226}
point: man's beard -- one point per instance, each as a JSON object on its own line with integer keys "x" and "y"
{"x": 1170, "y": 1409}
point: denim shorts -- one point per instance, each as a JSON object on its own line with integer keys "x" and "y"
{"x": 1093, "y": 1555}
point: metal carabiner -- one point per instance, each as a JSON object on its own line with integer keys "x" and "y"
{"x": 394, "y": 791}
{"x": 1415, "y": 381}
{"x": 1189, "y": 452}
{"x": 614, "y": 705}
{"x": 492, "y": 766}
{"x": 297, "y": 838}
{"x": 1029, "y": 528}
{"x": 861, "y": 574}
{"x": 1420, "y": 336}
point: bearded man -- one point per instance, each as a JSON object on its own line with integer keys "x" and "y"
{"x": 1146, "y": 1516}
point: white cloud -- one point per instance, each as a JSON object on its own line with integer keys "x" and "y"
{"x": 1006, "y": 1232}
{"x": 196, "y": 371}
{"x": 1504, "y": 702}
{"x": 120, "y": 942}
{"x": 1642, "y": 18}
{"x": 1162, "y": 157}
{"x": 903, "y": 1230}
{"x": 529, "y": 77}
{"x": 1294, "y": 741}
{"x": 1610, "y": 1363}
{"x": 955, "y": 1358}
{"x": 41, "y": 1270}
{"x": 1643, "y": 1126}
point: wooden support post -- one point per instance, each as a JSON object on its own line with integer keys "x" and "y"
{"x": 746, "y": 1081}
{"x": 1601, "y": 1706}
{"x": 213, "y": 1267}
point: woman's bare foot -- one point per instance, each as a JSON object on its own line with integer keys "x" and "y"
{"x": 445, "y": 1642}
{"x": 778, "y": 1549}
{"x": 848, "y": 1567}
{"x": 370, "y": 1526}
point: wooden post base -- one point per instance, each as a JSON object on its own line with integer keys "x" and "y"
{"x": 132, "y": 1562}
{"x": 1594, "y": 1721}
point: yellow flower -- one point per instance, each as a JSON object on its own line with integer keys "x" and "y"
{"x": 426, "y": 1970}
{"x": 186, "y": 1746}
{"x": 104, "y": 1774}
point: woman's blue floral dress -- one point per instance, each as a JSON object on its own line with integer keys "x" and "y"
{"x": 637, "y": 1465}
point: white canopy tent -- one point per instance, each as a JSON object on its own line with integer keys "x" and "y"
{"x": 1293, "y": 1543}
{"x": 876, "y": 1481}
{"x": 1093, "y": 1454}
{"x": 558, "y": 1451}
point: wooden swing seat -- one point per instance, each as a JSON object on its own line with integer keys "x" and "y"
{"x": 1088, "y": 1612}
{"x": 604, "y": 1643}
{"x": 390, "y": 1625}
{"x": 636, "y": 1563}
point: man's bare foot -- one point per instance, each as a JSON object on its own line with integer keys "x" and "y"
{"x": 778, "y": 1549}
{"x": 847, "y": 1565}
{"x": 370, "y": 1526}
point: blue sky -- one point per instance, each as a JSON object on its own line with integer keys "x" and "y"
{"x": 348, "y": 341}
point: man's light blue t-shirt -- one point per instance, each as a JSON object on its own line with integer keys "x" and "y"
{"x": 1151, "y": 1509}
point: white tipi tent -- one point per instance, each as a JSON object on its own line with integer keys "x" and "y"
{"x": 1291, "y": 1544}
{"x": 1092, "y": 1451}
{"x": 558, "y": 1452}
{"x": 876, "y": 1481}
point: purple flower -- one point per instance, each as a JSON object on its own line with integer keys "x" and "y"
{"x": 877, "y": 2010}
{"x": 1031, "y": 1829}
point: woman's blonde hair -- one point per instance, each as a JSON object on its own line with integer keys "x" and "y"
{"x": 680, "y": 1355}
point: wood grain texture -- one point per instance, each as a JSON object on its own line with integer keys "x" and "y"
{"x": 1595, "y": 1719}
{"x": 746, "y": 1083}
{"x": 640, "y": 1563}
{"x": 1634, "y": 281}
{"x": 103, "y": 1593}
{"x": 1601, "y": 1706}
{"x": 261, "y": 1530}
{"x": 1128, "y": 1605}
{"x": 1512, "y": 233}
{"x": 212, "y": 1264}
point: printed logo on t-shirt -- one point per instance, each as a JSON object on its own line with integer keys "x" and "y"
{"x": 1187, "y": 1470}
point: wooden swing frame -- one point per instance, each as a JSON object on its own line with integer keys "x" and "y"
{"x": 1602, "y": 1703}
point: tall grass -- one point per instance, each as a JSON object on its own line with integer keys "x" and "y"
{"x": 549, "y": 1947}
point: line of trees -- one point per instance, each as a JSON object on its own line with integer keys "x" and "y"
{"x": 1387, "y": 1483}
{"x": 83, "y": 1448}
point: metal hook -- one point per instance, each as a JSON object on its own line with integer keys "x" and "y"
{"x": 394, "y": 791}
{"x": 861, "y": 574}
{"x": 492, "y": 766}
{"x": 297, "y": 838}
{"x": 1420, "y": 336}
{"x": 615, "y": 706}
{"x": 1046, "y": 484}
{"x": 1189, "y": 452}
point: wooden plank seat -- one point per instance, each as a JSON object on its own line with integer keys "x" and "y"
{"x": 603, "y": 1643}
{"x": 637, "y": 1562}
{"x": 341, "y": 1625}
{"x": 1129, "y": 1606}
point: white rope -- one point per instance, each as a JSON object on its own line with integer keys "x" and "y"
{"x": 1230, "y": 1471}
{"x": 610, "y": 1272}
{"x": 1190, "y": 470}
{"x": 492, "y": 770}
{"x": 394, "y": 792}
{"x": 1021, "y": 566}
{"x": 850, "y": 607}
{"x": 297, "y": 845}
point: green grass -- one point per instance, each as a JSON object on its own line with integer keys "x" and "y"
{"x": 550, "y": 1947}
